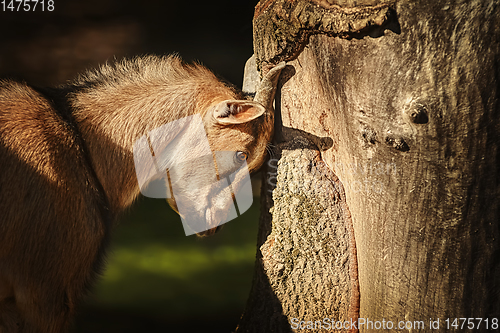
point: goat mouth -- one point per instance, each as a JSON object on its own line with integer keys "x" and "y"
{"x": 204, "y": 206}
{"x": 209, "y": 232}
{"x": 211, "y": 225}
{"x": 203, "y": 213}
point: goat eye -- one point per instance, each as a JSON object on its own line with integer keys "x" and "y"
{"x": 240, "y": 156}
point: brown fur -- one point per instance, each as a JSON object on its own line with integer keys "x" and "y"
{"x": 67, "y": 171}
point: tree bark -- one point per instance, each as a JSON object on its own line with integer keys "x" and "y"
{"x": 381, "y": 199}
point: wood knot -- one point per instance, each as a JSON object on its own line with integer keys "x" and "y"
{"x": 417, "y": 113}
{"x": 369, "y": 135}
{"x": 397, "y": 143}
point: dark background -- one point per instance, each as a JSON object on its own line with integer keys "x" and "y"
{"x": 158, "y": 280}
{"x": 48, "y": 48}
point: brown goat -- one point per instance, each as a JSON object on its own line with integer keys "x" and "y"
{"x": 67, "y": 170}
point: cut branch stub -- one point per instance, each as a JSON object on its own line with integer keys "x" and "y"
{"x": 282, "y": 28}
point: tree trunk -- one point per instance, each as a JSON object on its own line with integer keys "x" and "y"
{"x": 381, "y": 200}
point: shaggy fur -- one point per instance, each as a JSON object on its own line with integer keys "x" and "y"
{"x": 67, "y": 171}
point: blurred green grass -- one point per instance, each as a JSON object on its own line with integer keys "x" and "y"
{"x": 159, "y": 280}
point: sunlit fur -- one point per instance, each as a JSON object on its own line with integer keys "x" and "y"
{"x": 67, "y": 171}
{"x": 122, "y": 101}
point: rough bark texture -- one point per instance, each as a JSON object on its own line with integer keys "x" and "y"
{"x": 282, "y": 27}
{"x": 307, "y": 254}
{"x": 407, "y": 116}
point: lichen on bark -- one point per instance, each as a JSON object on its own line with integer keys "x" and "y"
{"x": 307, "y": 255}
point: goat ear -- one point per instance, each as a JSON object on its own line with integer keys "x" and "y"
{"x": 237, "y": 112}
